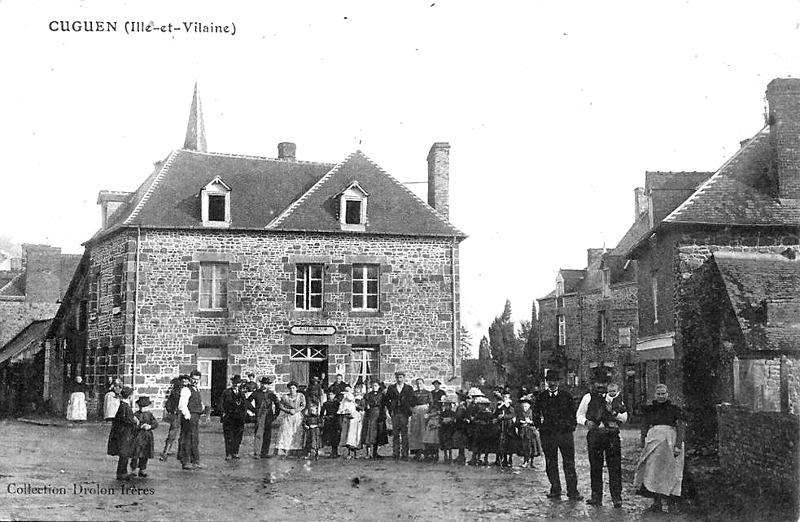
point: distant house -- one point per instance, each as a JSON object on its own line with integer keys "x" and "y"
{"x": 277, "y": 266}
{"x": 29, "y": 298}
{"x": 589, "y": 321}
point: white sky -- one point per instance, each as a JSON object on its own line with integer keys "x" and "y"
{"x": 554, "y": 110}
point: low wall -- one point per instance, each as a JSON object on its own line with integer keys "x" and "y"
{"x": 758, "y": 452}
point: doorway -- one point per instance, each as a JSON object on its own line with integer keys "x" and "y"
{"x": 213, "y": 381}
{"x": 307, "y": 362}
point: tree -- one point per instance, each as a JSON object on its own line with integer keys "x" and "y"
{"x": 465, "y": 343}
{"x": 513, "y": 354}
{"x": 484, "y": 352}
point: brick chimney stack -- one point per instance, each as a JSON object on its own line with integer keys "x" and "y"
{"x": 783, "y": 98}
{"x": 593, "y": 255}
{"x": 287, "y": 151}
{"x": 42, "y": 273}
{"x": 439, "y": 177}
{"x": 641, "y": 201}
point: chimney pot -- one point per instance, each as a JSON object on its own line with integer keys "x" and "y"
{"x": 439, "y": 177}
{"x": 287, "y": 151}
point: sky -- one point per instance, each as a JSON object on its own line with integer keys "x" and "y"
{"x": 554, "y": 109}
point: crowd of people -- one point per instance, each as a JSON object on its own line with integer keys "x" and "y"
{"x": 429, "y": 425}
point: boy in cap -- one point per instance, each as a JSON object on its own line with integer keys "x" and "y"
{"x": 554, "y": 416}
{"x": 143, "y": 445}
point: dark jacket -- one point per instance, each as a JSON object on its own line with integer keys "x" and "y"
{"x": 123, "y": 432}
{"x": 234, "y": 407}
{"x": 555, "y": 414}
{"x": 402, "y": 402}
{"x": 263, "y": 402}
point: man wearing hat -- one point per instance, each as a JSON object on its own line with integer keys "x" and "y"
{"x": 190, "y": 406}
{"x": 171, "y": 413}
{"x": 264, "y": 403}
{"x": 602, "y": 411}
{"x": 234, "y": 409}
{"x": 400, "y": 402}
{"x": 554, "y": 415}
{"x": 436, "y": 394}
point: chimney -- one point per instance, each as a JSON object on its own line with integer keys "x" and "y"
{"x": 16, "y": 264}
{"x": 286, "y": 151}
{"x": 642, "y": 203}
{"x": 109, "y": 202}
{"x": 594, "y": 255}
{"x": 439, "y": 178}
{"x": 42, "y": 273}
{"x": 783, "y": 98}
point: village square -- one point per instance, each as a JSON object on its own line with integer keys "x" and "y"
{"x": 292, "y": 335}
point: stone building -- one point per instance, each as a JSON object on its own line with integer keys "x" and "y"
{"x": 29, "y": 299}
{"x": 234, "y": 264}
{"x": 589, "y": 320}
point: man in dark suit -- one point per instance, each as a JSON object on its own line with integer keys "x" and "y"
{"x": 400, "y": 402}
{"x": 264, "y": 404}
{"x": 554, "y": 415}
{"x": 234, "y": 410}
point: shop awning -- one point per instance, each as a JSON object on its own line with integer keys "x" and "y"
{"x": 655, "y": 347}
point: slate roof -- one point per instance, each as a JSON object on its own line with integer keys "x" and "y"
{"x": 669, "y": 189}
{"x": 764, "y": 290}
{"x": 30, "y": 334}
{"x": 632, "y": 237}
{"x": 274, "y": 194}
{"x": 739, "y": 193}
{"x": 15, "y": 287}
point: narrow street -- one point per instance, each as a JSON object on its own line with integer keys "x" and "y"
{"x": 71, "y": 465}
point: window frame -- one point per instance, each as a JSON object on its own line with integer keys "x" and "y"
{"x": 561, "y": 330}
{"x": 365, "y": 294}
{"x": 353, "y": 193}
{"x": 363, "y": 357}
{"x": 303, "y": 286}
{"x": 213, "y": 300}
{"x": 216, "y": 187}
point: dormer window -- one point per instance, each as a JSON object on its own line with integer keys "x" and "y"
{"x": 215, "y": 202}
{"x": 353, "y": 208}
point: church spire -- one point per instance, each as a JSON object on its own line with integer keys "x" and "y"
{"x": 196, "y": 131}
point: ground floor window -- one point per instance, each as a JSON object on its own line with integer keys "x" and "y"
{"x": 365, "y": 363}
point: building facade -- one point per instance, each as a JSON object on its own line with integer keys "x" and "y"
{"x": 235, "y": 264}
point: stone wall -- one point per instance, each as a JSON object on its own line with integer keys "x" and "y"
{"x": 17, "y": 314}
{"x": 758, "y": 452}
{"x": 413, "y": 328}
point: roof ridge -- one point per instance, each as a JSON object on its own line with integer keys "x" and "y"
{"x": 293, "y": 206}
{"x": 249, "y": 156}
{"x": 152, "y": 187}
{"x": 714, "y": 177}
{"x": 436, "y": 213}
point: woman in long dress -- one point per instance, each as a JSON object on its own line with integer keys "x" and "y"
{"x": 374, "y": 433}
{"x": 76, "y": 410}
{"x": 351, "y": 417}
{"x": 290, "y": 430}
{"x": 416, "y": 425}
{"x": 659, "y": 473}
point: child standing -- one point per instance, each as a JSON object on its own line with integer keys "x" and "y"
{"x": 430, "y": 437}
{"x": 504, "y": 418}
{"x": 331, "y": 427}
{"x": 143, "y": 446}
{"x": 311, "y": 425}
{"x": 447, "y": 427}
{"x": 529, "y": 435}
{"x": 120, "y": 440}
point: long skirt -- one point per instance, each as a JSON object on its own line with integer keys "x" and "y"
{"x": 530, "y": 443}
{"x": 312, "y": 440}
{"x": 416, "y": 427}
{"x": 658, "y": 470}
{"x": 351, "y": 430}
{"x": 290, "y": 432}
{"x": 374, "y": 428}
{"x": 76, "y": 411}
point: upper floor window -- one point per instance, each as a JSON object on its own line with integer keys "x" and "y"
{"x": 308, "y": 287}
{"x": 562, "y": 330}
{"x": 601, "y": 326}
{"x": 213, "y": 286}
{"x": 353, "y": 208}
{"x": 365, "y": 287}
{"x": 215, "y": 204}
{"x": 654, "y": 291}
{"x": 559, "y": 285}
